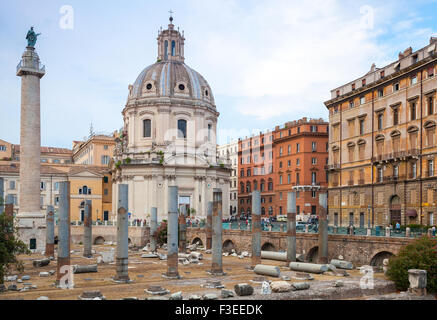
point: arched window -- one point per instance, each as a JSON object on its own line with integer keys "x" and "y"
{"x": 147, "y": 128}
{"x": 85, "y": 190}
{"x": 182, "y": 129}
{"x": 270, "y": 185}
{"x": 242, "y": 187}
{"x": 173, "y": 48}
{"x": 255, "y": 185}
{"x": 248, "y": 188}
{"x": 165, "y": 50}
{"x": 262, "y": 185}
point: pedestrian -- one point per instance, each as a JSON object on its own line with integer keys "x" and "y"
{"x": 398, "y": 227}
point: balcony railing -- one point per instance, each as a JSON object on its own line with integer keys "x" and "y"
{"x": 335, "y": 166}
{"x": 396, "y": 155}
{"x": 31, "y": 64}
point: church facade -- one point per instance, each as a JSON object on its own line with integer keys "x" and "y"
{"x": 169, "y": 137}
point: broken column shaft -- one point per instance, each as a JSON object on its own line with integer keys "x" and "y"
{"x": 208, "y": 226}
{"x": 88, "y": 230}
{"x": 323, "y": 228}
{"x": 217, "y": 229}
{"x": 50, "y": 232}
{"x": 122, "y": 235}
{"x": 172, "y": 234}
{"x": 2, "y": 195}
{"x": 63, "y": 231}
{"x": 183, "y": 229}
{"x": 256, "y": 228}
{"x": 291, "y": 227}
{"x": 153, "y": 229}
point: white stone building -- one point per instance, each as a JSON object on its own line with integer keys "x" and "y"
{"x": 228, "y": 153}
{"x": 169, "y": 138}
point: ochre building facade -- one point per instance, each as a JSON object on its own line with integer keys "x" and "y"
{"x": 382, "y": 144}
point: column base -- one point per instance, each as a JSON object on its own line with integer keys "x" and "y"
{"x": 171, "y": 276}
{"x": 31, "y": 229}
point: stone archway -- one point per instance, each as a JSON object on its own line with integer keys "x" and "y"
{"x": 395, "y": 209}
{"x": 228, "y": 246}
{"x": 312, "y": 254}
{"x": 197, "y": 241}
{"x": 378, "y": 258}
{"x": 268, "y": 247}
{"x": 99, "y": 240}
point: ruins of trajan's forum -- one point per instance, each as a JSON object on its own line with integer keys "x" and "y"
{"x": 286, "y": 214}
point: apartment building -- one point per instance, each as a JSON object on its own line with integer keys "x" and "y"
{"x": 382, "y": 144}
{"x": 228, "y": 153}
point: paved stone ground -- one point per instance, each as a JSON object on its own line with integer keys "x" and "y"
{"x": 146, "y": 272}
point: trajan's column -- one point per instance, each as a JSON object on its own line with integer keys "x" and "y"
{"x": 31, "y": 222}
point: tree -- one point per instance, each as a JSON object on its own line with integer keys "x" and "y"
{"x": 161, "y": 233}
{"x": 10, "y": 246}
{"x": 420, "y": 254}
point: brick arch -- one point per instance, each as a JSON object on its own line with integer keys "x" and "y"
{"x": 312, "y": 254}
{"x": 373, "y": 256}
{"x": 377, "y": 259}
{"x": 228, "y": 245}
{"x": 195, "y": 239}
{"x": 268, "y": 246}
{"x": 99, "y": 240}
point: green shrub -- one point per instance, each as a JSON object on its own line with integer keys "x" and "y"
{"x": 127, "y": 160}
{"x": 420, "y": 254}
{"x": 10, "y": 246}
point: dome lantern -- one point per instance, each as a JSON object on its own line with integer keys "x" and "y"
{"x": 171, "y": 44}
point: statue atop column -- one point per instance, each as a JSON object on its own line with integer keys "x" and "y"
{"x": 32, "y": 37}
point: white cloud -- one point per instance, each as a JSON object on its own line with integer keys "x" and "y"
{"x": 282, "y": 57}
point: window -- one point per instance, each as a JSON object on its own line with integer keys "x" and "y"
{"x": 280, "y": 164}
{"x": 314, "y": 146}
{"x": 414, "y": 58}
{"x": 395, "y": 117}
{"x": 313, "y": 128}
{"x": 413, "y": 111}
{"x": 105, "y": 179}
{"x": 105, "y": 192}
{"x": 396, "y": 87}
{"x": 173, "y": 48}
{"x": 430, "y": 168}
{"x": 242, "y": 173}
{"x": 353, "y": 86}
{"x": 105, "y": 159}
{"x": 297, "y": 178}
{"x": 363, "y": 100}
{"x": 414, "y": 170}
{"x": 313, "y": 194}
{"x": 297, "y": 161}
{"x": 414, "y": 80}
{"x": 380, "y": 93}
{"x": 297, "y": 147}
{"x": 313, "y": 177}
{"x": 289, "y": 178}
{"x": 380, "y": 120}
{"x": 313, "y": 161}
{"x": 361, "y": 126}
{"x": 105, "y": 147}
{"x": 248, "y": 172}
{"x": 382, "y": 74}
{"x": 2, "y": 148}
{"x": 380, "y": 175}
{"x": 147, "y": 128}
{"x": 56, "y": 201}
{"x": 430, "y": 72}
{"x": 289, "y": 163}
{"x": 43, "y": 185}
{"x": 182, "y": 129}
{"x": 395, "y": 171}
{"x": 209, "y": 132}
{"x": 12, "y": 185}
{"x": 289, "y": 149}
{"x": 351, "y": 104}
{"x": 280, "y": 179}
{"x": 280, "y": 151}
{"x": 430, "y": 105}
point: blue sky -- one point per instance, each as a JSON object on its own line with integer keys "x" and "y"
{"x": 267, "y": 62}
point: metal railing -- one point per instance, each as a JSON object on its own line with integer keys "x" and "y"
{"x": 31, "y": 64}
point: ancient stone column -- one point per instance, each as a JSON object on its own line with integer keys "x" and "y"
{"x": 256, "y": 228}
{"x": 153, "y": 228}
{"x": 183, "y": 229}
{"x": 172, "y": 234}
{"x": 122, "y": 235}
{"x": 291, "y": 227}
{"x": 323, "y": 228}
{"x": 208, "y": 227}
{"x": 217, "y": 229}
{"x": 2, "y": 195}
{"x": 88, "y": 230}
{"x": 31, "y": 222}
{"x": 50, "y": 232}
{"x": 63, "y": 231}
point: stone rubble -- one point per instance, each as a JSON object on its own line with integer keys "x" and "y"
{"x": 265, "y": 288}
{"x": 243, "y": 289}
{"x": 280, "y": 286}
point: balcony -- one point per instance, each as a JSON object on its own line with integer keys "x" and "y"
{"x": 33, "y": 64}
{"x": 332, "y": 167}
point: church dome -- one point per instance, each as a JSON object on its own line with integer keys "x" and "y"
{"x": 173, "y": 79}
{"x": 170, "y": 77}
